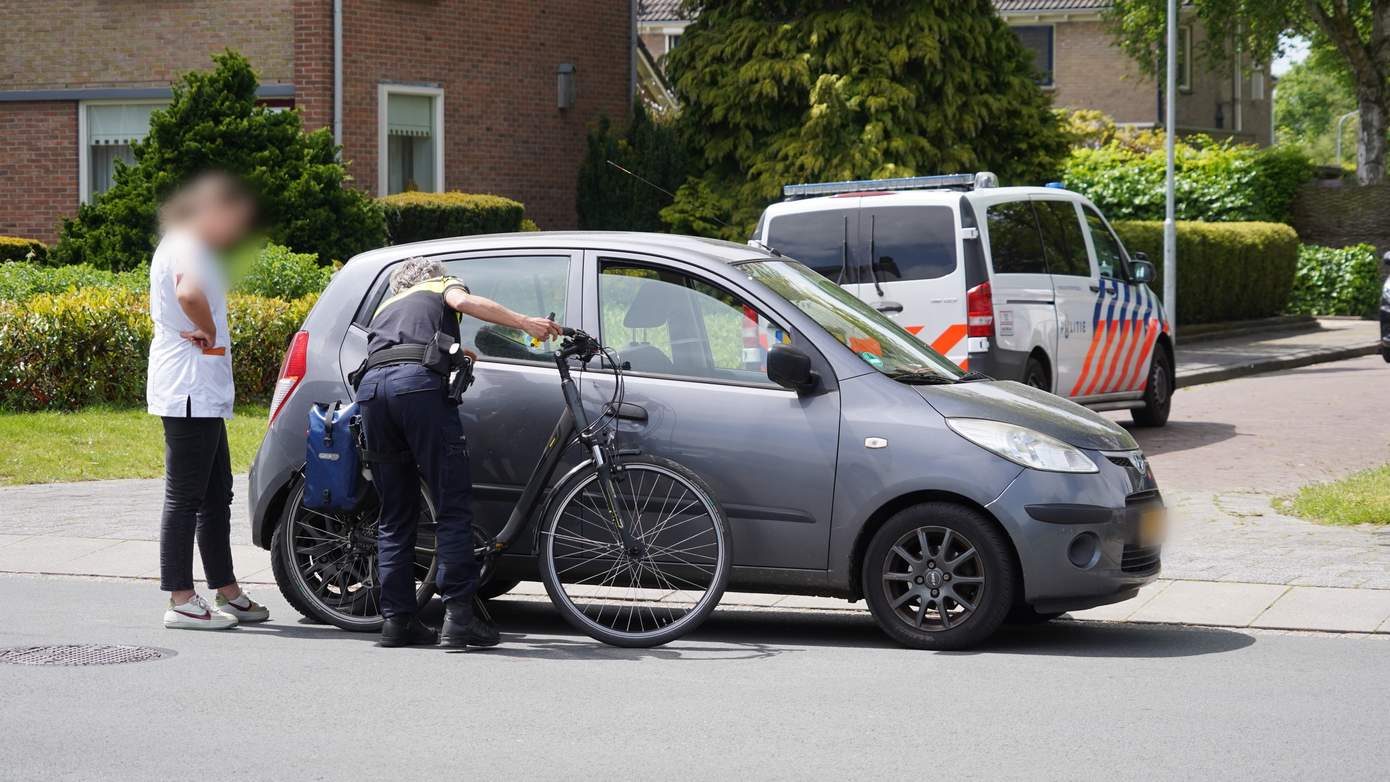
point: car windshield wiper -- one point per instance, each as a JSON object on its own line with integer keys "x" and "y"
{"x": 921, "y": 376}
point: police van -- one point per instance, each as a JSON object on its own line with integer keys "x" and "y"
{"x": 1019, "y": 283}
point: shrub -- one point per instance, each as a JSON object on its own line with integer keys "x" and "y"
{"x": 1226, "y": 271}
{"x": 214, "y": 123}
{"x": 415, "y": 217}
{"x": 1332, "y": 281}
{"x": 1216, "y": 182}
{"x": 609, "y": 199}
{"x": 276, "y": 271}
{"x": 14, "y": 248}
{"x": 66, "y": 350}
{"x": 20, "y": 280}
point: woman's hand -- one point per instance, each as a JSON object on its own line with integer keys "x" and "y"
{"x": 199, "y": 337}
{"x": 540, "y": 328}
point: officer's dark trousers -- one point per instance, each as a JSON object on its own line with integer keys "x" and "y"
{"x": 405, "y": 410}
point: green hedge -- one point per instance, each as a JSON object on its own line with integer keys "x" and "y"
{"x": 14, "y": 248}
{"x": 1226, "y": 271}
{"x": 1332, "y": 281}
{"x": 278, "y": 272}
{"x": 21, "y": 280}
{"x": 66, "y": 350}
{"x": 414, "y": 217}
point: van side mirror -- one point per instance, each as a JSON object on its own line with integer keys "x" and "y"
{"x": 1141, "y": 270}
{"x": 790, "y": 368}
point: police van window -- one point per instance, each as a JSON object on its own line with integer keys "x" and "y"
{"x": 1015, "y": 244}
{"x": 1110, "y": 254}
{"x": 818, "y": 240}
{"x": 529, "y": 284}
{"x": 911, "y": 242}
{"x": 666, "y": 323}
{"x": 1063, "y": 241}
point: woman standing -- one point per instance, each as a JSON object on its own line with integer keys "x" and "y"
{"x": 189, "y": 386}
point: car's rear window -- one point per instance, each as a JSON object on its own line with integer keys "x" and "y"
{"x": 910, "y": 242}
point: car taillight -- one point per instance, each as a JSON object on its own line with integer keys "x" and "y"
{"x": 979, "y": 311}
{"x": 292, "y": 370}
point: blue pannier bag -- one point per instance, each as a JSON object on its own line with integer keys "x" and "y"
{"x": 332, "y": 462}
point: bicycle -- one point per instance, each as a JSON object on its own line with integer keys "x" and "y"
{"x": 633, "y": 549}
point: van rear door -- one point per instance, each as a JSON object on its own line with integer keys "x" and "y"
{"x": 913, "y": 272}
{"x": 824, "y": 235}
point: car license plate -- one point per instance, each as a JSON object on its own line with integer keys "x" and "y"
{"x": 1153, "y": 525}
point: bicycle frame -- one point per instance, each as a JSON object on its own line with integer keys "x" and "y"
{"x": 574, "y": 421}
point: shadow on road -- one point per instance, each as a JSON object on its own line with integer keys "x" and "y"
{"x": 533, "y": 630}
{"x": 1180, "y": 435}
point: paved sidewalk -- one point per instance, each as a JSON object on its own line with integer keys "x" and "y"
{"x": 1217, "y": 359}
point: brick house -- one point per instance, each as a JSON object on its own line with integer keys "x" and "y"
{"x": 1083, "y": 69}
{"x": 475, "y": 95}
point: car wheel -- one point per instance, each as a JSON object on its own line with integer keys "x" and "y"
{"x": 1035, "y": 374}
{"x": 1158, "y": 392}
{"x": 939, "y": 576}
{"x": 497, "y": 587}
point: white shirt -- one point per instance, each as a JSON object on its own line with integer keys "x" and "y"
{"x": 183, "y": 379}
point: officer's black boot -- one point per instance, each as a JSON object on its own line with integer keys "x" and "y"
{"x": 465, "y": 625}
{"x": 406, "y": 630}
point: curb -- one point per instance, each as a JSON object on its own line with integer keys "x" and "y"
{"x": 1218, "y": 374}
{"x": 1281, "y": 325}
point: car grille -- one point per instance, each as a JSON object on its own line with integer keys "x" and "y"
{"x": 1139, "y": 559}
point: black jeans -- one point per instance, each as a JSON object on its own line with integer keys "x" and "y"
{"x": 197, "y": 499}
{"x": 405, "y": 411}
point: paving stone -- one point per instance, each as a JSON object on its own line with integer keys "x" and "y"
{"x": 1209, "y": 603}
{"x": 127, "y": 558}
{"x": 1323, "y": 608}
{"x": 6, "y": 540}
{"x": 1118, "y": 612}
{"x": 43, "y": 554}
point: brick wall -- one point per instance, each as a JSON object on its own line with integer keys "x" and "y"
{"x": 313, "y": 61}
{"x": 1341, "y": 216}
{"x": 496, "y": 62}
{"x": 122, "y": 43}
{"x": 38, "y": 167}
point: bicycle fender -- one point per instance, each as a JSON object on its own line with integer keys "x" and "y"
{"x": 550, "y": 500}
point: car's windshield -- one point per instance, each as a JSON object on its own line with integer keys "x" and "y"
{"x": 880, "y": 342}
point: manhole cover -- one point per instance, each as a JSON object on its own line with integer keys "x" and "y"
{"x": 81, "y": 654}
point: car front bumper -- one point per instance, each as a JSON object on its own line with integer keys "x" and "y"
{"x": 1078, "y": 536}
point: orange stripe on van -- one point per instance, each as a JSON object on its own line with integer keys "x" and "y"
{"x": 949, "y": 338}
{"x": 1090, "y": 353}
{"x": 1100, "y": 362}
{"x": 913, "y": 330}
{"x": 1120, "y": 350}
{"x": 1141, "y": 378}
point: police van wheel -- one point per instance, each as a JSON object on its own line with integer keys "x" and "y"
{"x": 325, "y": 563}
{"x": 1158, "y": 392}
{"x": 1035, "y": 374}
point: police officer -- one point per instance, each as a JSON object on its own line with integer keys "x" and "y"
{"x": 413, "y": 431}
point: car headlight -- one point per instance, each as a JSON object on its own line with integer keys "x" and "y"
{"x": 1022, "y": 445}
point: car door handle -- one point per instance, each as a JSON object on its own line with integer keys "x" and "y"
{"x": 1095, "y": 288}
{"x": 627, "y": 411}
{"x": 888, "y": 306}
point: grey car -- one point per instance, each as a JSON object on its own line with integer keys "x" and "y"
{"x": 948, "y": 501}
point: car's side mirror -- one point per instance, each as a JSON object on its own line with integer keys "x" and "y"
{"x": 1387, "y": 259}
{"x": 1141, "y": 270}
{"x": 790, "y": 368}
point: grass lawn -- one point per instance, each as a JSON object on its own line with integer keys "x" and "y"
{"x": 101, "y": 442}
{"x": 1362, "y": 498}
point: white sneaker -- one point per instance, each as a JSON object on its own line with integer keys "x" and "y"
{"x": 196, "y": 614}
{"x": 243, "y": 608}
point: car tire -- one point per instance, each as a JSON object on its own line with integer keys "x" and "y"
{"x": 1158, "y": 392}
{"x": 902, "y": 600}
{"x": 1035, "y": 374}
{"x": 497, "y": 587}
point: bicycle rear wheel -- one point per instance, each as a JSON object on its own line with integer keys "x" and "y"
{"x": 652, "y": 596}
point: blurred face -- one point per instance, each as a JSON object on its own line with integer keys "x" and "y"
{"x": 223, "y": 220}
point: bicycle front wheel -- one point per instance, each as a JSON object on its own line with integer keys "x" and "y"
{"x": 659, "y": 591}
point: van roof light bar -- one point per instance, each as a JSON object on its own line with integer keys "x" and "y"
{"x": 942, "y": 182}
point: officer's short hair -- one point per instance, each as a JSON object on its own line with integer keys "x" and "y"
{"x": 414, "y": 271}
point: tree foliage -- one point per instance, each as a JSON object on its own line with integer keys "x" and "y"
{"x": 1356, "y": 32}
{"x": 609, "y": 199}
{"x": 214, "y": 123}
{"x": 1311, "y": 97}
{"x": 816, "y": 90}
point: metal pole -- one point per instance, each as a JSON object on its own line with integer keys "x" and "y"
{"x": 1341, "y": 125}
{"x": 1170, "y": 225}
{"x": 338, "y": 73}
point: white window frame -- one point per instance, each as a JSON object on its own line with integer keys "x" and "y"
{"x": 1186, "y": 48}
{"x": 1051, "y": 83}
{"x": 668, "y": 38}
{"x": 84, "y": 151}
{"x": 383, "y": 91}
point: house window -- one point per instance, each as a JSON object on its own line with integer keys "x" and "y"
{"x": 106, "y": 132}
{"x": 411, "y": 147}
{"x": 1185, "y": 58}
{"x": 672, "y": 41}
{"x": 1038, "y": 39}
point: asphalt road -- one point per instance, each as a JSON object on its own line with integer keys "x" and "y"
{"x": 754, "y": 695}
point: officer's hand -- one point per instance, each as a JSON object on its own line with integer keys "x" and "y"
{"x": 541, "y": 328}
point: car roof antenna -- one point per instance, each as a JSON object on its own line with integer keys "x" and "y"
{"x": 657, "y": 187}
